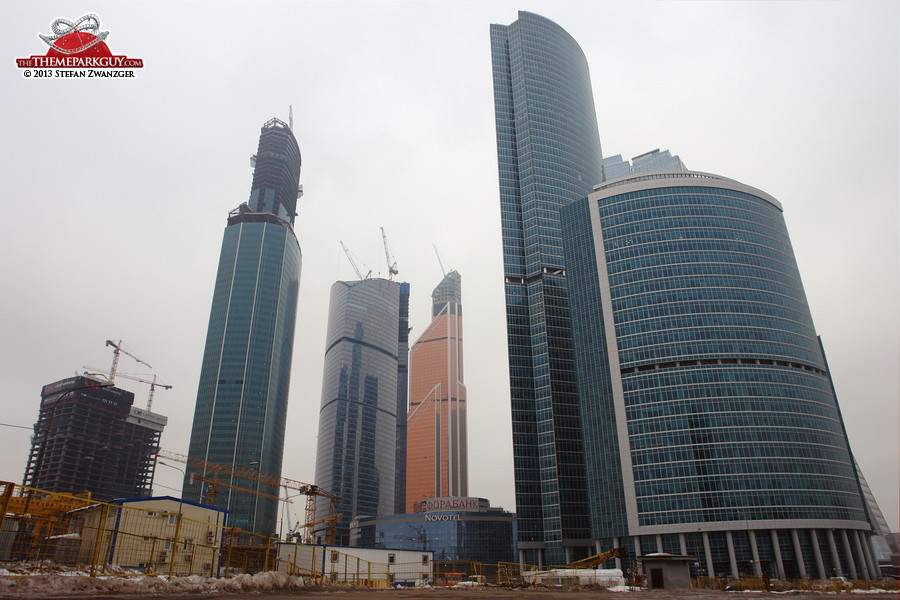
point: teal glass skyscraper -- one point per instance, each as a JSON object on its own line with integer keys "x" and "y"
{"x": 711, "y": 426}
{"x": 548, "y": 150}
{"x": 241, "y": 409}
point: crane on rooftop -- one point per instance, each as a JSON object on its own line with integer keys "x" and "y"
{"x": 118, "y": 349}
{"x": 391, "y": 261}
{"x": 440, "y": 262}
{"x": 353, "y": 263}
{"x": 153, "y": 383}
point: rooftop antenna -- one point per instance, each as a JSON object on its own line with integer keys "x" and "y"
{"x": 291, "y": 117}
{"x": 436, "y": 253}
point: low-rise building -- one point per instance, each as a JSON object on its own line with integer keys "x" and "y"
{"x": 159, "y": 534}
{"x": 346, "y": 564}
{"x": 454, "y": 528}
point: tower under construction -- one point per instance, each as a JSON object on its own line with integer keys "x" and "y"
{"x": 90, "y": 437}
{"x": 437, "y": 458}
{"x": 242, "y": 397}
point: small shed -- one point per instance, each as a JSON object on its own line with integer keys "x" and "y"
{"x": 667, "y": 571}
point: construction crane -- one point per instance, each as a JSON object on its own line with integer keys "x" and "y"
{"x": 153, "y": 383}
{"x": 391, "y": 261}
{"x": 118, "y": 349}
{"x": 597, "y": 559}
{"x": 353, "y": 263}
{"x": 311, "y": 491}
{"x": 440, "y": 262}
{"x": 212, "y": 492}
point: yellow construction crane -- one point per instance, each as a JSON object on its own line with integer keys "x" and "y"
{"x": 311, "y": 491}
{"x": 212, "y": 492}
{"x": 597, "y": 559}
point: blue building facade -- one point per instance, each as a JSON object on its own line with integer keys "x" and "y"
{"x": 454, "y": 528}
{"x": 242, "y": 397}
{"x": 363, "y": 402}
{"x": 548, "y": 150}
{"x": 711, "y": 426}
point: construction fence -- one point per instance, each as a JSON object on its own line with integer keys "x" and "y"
{"x": 40, "y": 531}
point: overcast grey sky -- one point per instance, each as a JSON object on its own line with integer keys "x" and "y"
{"x": 117, "y": 191}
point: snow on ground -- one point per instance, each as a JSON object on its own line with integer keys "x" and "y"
{"x": 75, "y": 583}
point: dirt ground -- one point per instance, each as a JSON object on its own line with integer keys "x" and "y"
{"x": 498, "y": 593}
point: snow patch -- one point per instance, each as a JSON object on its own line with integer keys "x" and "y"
{"x": 53, "y": 585}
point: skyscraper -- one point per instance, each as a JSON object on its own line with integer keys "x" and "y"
{"x": 90, "y": 437}
{"x": 711, "y": 426}
{"x": 363, "y": 399}
{"x": 242, "y": 397}
{"x": 548, "y": 150}
{"x": 437, "y": 457}
{"x": 648, "y": 162}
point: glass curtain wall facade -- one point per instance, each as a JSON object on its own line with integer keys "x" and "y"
{"x": 357, "y": 456}
{"x": 437, "y": 455}
{"x": 486, "y": 536}
{"x": 548, "y": 150}
{"x": 711, "y": 424}
{"x": 242, "y": 397}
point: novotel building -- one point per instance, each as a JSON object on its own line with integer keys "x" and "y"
{"x": 454, "y": 528}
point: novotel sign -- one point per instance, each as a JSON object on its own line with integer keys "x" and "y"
{"x": 450, "y": 503}
{"x": 442, "y": 517}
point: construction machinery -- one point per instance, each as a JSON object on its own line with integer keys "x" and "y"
{"x": 153, "y": 383}
{"x": 212, "y": 491}
{"x": 391, "y": 261}
{"x": 243, "y": 472}
{"x": 353, "y": 263}
{"x": 111, "y": 374}
{"x": 42, "y": 514}
{"x": 117, "y": 350}
{"x": 596, "y": 560}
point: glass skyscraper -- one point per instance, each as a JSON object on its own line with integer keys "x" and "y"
{"x": 548, "y": 150}
{"x": 437, "y": 463}
{"x": 711, "y": 426}
{"x": 242, "y": 397}
{"x": 363, "y": 402}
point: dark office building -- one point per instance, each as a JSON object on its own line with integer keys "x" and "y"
{"x": 363, "y": 402}
{"x": 548, "y": 150}
{"x": 89, "y": 437}
{"x": 242, "y": 397}
{"x": 711, "y": 426}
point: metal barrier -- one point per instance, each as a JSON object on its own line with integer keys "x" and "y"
{"x": 41, "y": 531}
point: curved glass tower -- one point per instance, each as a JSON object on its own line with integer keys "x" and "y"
{"x": 241, "y": 409}
{"x": 548, "y": 150}
{"x": 711, "y": 424}
{"x": 363, "y": 401}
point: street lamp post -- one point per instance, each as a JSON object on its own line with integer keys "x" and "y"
{"x": 178, "y": 523}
